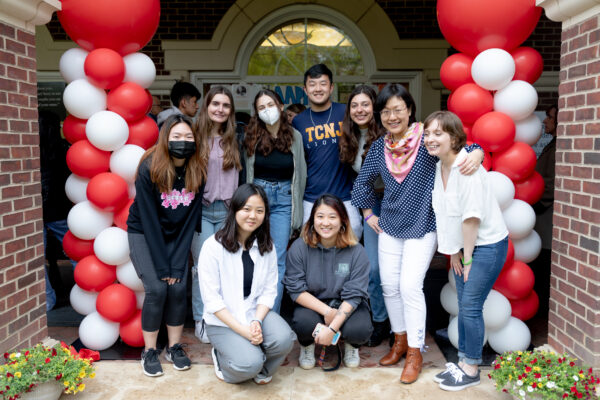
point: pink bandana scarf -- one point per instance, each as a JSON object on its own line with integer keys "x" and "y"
{"x": 400, "y": 157}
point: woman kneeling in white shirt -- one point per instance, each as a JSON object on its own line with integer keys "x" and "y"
{"x": 238, "y": 281}
{"x": 471, "y": 230}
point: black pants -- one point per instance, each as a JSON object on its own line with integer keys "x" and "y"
{"x": 356, "y": 330}
{"x": 160, "y": 296}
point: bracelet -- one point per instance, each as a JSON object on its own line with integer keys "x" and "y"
{"x": 333, "y": 330}
{"x": 466, "y": 263}
{"x": 257, "y": 320}
{"x": 369, "y": 216}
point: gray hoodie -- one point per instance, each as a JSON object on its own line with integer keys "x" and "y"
{"x": 327, "y": 273}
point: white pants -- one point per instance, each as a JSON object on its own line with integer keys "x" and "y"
{"x": 353, "y": 215}
{"x": 402, "y": 267}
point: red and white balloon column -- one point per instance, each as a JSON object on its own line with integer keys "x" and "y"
{"x": 491, "y": 91}
{"x": 107, "y": 99}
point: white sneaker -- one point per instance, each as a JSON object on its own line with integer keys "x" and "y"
{"x": 203, "y": 337}
{"x": 351, "y": 357}
{"x": 262, "y": 380}
{"x": 218, "y": 371}
{"x": 307, "y": 356}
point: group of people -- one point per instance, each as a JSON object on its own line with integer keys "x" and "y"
{"x": 337, "y": 173}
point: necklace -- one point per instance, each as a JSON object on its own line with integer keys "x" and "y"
{"x": 179, "y": 177}
{"x": 313, "y": 121}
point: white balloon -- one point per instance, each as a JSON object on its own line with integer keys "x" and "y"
{"x": 496, "y": 311}
{"x": 86, "y": 221}
{"x": 131, "y": 189}
{"x": 503, "y": 188}
{"x": 514, "y": 336}
{"x": 83, "y": 301}
{"x": 453, "y": 332}
{"x": 518, "y": 100}
{"x": 139, "y": 297}
{"x": 451, "y": 279}
{"x": 449, "y": 299}
{"x": 127, "y": 276}
{"x": 75, "y": 188}
{"x": 528, "y": 130}
{"x": 107, "y": 130}
{"x": 71, "y": 64}
{"x": 493, "y": 69}
{"x": 98, "y": 333}
{"x": 519, "y": 218}
{"x": 140, "y": 69}
{"x": 528, "y": 248}
{"x": 82, "y": 99}
{"x": 124, "y": 161}
{"x": 111, "y": 246}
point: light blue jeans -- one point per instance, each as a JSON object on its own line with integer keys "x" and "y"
{"x": 213, "y": 217}
{"x": 279, "y": 195}
{"x": 487, "y": 264}
{"x": 58, "y": 229}
{"x": 371, "y": 239}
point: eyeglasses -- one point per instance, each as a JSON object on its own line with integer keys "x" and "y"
{"x": 385, "y": 113}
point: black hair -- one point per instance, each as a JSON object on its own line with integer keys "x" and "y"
{"x": 227, "y": 235}
{"x": 396, "y": 90}
{"x": 316, "y": 71}
{"x": 182, "y": 90}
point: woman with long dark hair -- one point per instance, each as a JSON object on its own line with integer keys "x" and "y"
{"x": 165, "y": 214}
{"x": 275, "y": 162}
{"x": 220, "y": 147}
{"x": 238, "y": 282}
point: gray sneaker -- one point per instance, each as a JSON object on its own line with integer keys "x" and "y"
{"x": 150, "y": 364}
{"x": 459, "y": 380}
{"x": 439, "y": 378}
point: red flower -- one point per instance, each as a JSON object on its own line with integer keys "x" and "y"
{"x": 581, "y": 371}
{"x": 497, "y": 366}
{"x": 489, "y": 376}
{"x": 550, "y": 361}
{"x": 574, "y": 389}
{"x": 27, "y": 353}
{"x": 53, "y": 352}
{"x": 565, "y": 395}
{"x": 9, "y": 375}
{"x": 528, "y": 369}
{"x": 560, "y": 360}
{"x": 572, "y": 364}
{"x": 524, "y": 375}
{"x": 537, "y": 376}
{"x": 533, "y": 361}
{"x": 47, "y": 360}
{"x": 58, "y": 377}
{"x": 534, "y": 385}
{"x": 579, "y": 395}
{"x": 6, "y": 355}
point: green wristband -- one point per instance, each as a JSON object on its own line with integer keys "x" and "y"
{"x": 466, "y": 263}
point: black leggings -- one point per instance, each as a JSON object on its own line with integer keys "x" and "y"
{"x": 356, "y": 330}
{"x": 160, "y": 296}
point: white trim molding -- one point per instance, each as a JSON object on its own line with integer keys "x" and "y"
{"x": 26, "y": 14}
{"x": 570, "y": 12}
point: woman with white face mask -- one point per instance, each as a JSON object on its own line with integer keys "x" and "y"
{"x": 275, "y": 162}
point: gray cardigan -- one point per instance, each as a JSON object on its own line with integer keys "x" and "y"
{"x": 298, "y": 178}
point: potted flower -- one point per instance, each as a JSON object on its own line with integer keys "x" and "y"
{"x": 542, "y": 374}
{"x": 41, "y": 368}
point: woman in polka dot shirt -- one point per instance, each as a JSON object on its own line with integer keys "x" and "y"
{"x": 406, "y": 225}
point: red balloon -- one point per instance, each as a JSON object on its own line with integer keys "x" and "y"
{"x": 105, "y": 68}
{"x": 516, "y": 281}
{"x": 517, "y": 162}
{"x": 116, "y": 303}
{"x": 120, "y": 217}
{"x": 470, "y": 102}
{"x": 107, "y": 191}
{"x": 85, "y": 160}
{"x": 469, "y": 132}
{"x": 131, "y": 330}
{"x": 510, "y": 255}
{"x": 124, "y": 26}
{"x": 525, "y": 308}
{"x": 472, "y": 26}
{"x": 74, "y": 129}
{"x": 143, "y": 133}
{"x": 92, "y": 274}
{"x": 531, "y": 189}
{"x": 494, "y": 131}
{"x": 129, "y": 100}
{"x": 456, "y": 71}
{"x": 529, "y": 64}
{"x": 76, "y": 248}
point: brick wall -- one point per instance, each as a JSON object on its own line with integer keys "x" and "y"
{"x": 574, "y": 320}
{"x": 22, "y": 287}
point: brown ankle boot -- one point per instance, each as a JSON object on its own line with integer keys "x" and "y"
{"x": 412, "y": 365}
{"x": 397, "y": 351}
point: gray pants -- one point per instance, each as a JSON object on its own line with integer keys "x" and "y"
{"x": 240, "y": 360}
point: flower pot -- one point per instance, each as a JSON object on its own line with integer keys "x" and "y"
{"x": 44, "y": 391}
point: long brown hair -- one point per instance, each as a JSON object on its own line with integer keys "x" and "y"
{"x": 258, "y": 137}
{"x": 345, "y": 236}
{"x": 229, "y": 143}
{"x": 162, "y": 169}
{"x": 348, "y": 144}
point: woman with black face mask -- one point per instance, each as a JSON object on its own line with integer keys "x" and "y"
{"x": 166, "y": 212}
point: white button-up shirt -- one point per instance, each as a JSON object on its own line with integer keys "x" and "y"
{"x": 465, "y": 197}
{"x": 221, "y": 278}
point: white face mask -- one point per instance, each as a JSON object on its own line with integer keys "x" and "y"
{"x": 269, "y": 115}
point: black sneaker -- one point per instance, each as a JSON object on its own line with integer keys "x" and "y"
{"x": 150, "y": 364}
{"x": 459, "y": 380}
{"x": 177, "y": 356}
{"x": 439, "y": 378}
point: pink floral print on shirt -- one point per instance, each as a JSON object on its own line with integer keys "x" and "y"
{"x": 175, "y": 198}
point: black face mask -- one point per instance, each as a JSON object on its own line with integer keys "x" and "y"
{"x": 181, "y": 148}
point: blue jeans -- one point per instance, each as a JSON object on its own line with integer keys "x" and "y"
{"x": 58, "y": 229}
{"x": 487, "y": 264}
{"x": 213, "y": 216}
{"x": 279, "y": 195}
{"x": 371, "y": 240}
